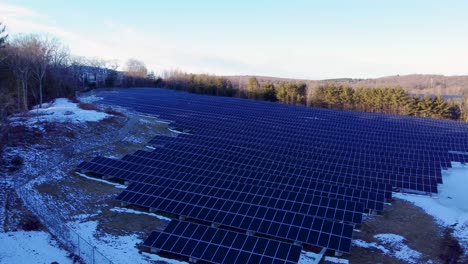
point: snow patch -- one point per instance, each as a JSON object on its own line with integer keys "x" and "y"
{"x": 61, "y": 110}
{"x": 119, "y": 249}
{"x": 116, "y": 185}
{"x": 85, "y": 216}
{"x": 309, "y": 257}
{"x": 336, "y": 260}
{"x": 392, "y": 245}
{"x": 131, "y": 211}
{"x": 398, "y": 248}
{"x": 451, "y": 207}
{"x": 31, "y": 247}
{"x": 132, "y": 139}
{"x": 90, "y": 99}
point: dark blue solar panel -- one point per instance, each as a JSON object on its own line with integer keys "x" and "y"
{"x": 221, "y": 246}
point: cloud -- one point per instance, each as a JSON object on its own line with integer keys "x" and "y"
{"x": 14, "y": 11}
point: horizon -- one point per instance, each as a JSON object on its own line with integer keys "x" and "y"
{"x": 360, "y": 40}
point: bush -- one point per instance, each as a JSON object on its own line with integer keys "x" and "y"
{"x": 86, "y": 106}
{"x": 111, "y": 111}
{"x": 450, "y": 249}
{"x": 30, "y": 223}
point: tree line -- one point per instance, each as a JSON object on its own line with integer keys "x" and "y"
{"x": 390, "y": 100}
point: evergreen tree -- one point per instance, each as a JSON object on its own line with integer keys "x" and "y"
{"x": 269, "y": 92}
{"x": 252, "y": 87}
{"x": 440, "y": 107}
{"x": 425, "y": 106}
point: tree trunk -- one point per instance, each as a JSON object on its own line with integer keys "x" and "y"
{"x": 25, "y": 94}
{"x": 40, "y": 93}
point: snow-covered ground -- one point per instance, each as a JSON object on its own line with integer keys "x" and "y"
{"x": 450, "y": 208}
{"x": 336, "y": 260}
{"x": 131, "y": 211}
{"x": 392, "y": 245}
{"x": 119, "y": 249}
{"x": 60, "y": 110}
{"x": 31, "y": 247}
{"x": 90, "y": 99}
{"x": 116, "y": 185}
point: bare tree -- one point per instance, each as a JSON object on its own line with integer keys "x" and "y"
{"x": 42, "y": 51}
{"x": 136, "y": 68}
{"x": 19, "y": 60}
{"x": 310, "y": 93}
{"x": 3, "y": 39}
{"x": 112, "y": 64}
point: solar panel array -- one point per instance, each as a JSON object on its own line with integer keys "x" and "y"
{"x": 286, "y": 173}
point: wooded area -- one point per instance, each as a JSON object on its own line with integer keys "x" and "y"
{"x": 37, "y": 68}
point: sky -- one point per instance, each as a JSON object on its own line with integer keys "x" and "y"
{"x": 293, "y": 38}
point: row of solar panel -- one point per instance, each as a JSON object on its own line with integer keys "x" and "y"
{"x": 206, "y": 151}
{"x": 292, "y": 226}
{"x": 346, "y": 211}
{"x": 220, "y": 246}
{"x": 326, "y": 155}
{"x": 426, "y": 184}
{"x": 137, "y": 173}
{"x": 325, "y": 152}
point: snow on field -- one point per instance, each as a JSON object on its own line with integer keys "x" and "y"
{"x": 131, "y": 211}
{"x": 392, "y": 245}
{"x": 116, "y": 185}
{"x": 61, "y": 110}
{"x": 30, "y": 247}
{"x": 309, "y": 257}
{"x": 450, "y": 208}
{"x": 133, "y": 139}
{"x": 89, "y": 99}
{"x": 119, "y": 249}
{"x": 398, "y": 247}
{"x": 336, "y": 260}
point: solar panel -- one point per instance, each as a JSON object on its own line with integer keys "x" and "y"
{"x": 220, "y": 246}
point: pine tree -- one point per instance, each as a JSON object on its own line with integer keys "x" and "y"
{"x": 425, "y": 106}
{"x": 252, "y": 87}
{"x": 440, "y": 107}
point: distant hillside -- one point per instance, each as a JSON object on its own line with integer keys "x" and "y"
{"x": 414, "y": 83}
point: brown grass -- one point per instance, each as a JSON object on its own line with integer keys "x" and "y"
{"x": 111, "y": 111}
{"x": 86, "y": 106}
{"x": 402, "y": 218}
{"x": 450, "y": 249}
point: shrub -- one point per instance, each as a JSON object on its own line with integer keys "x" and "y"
{"x": 30, "y": 223}
{"x": 111, "y": 111}
{"x": 86, "y": 106}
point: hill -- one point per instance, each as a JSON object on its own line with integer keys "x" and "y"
{"x": 413, "y": 83}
